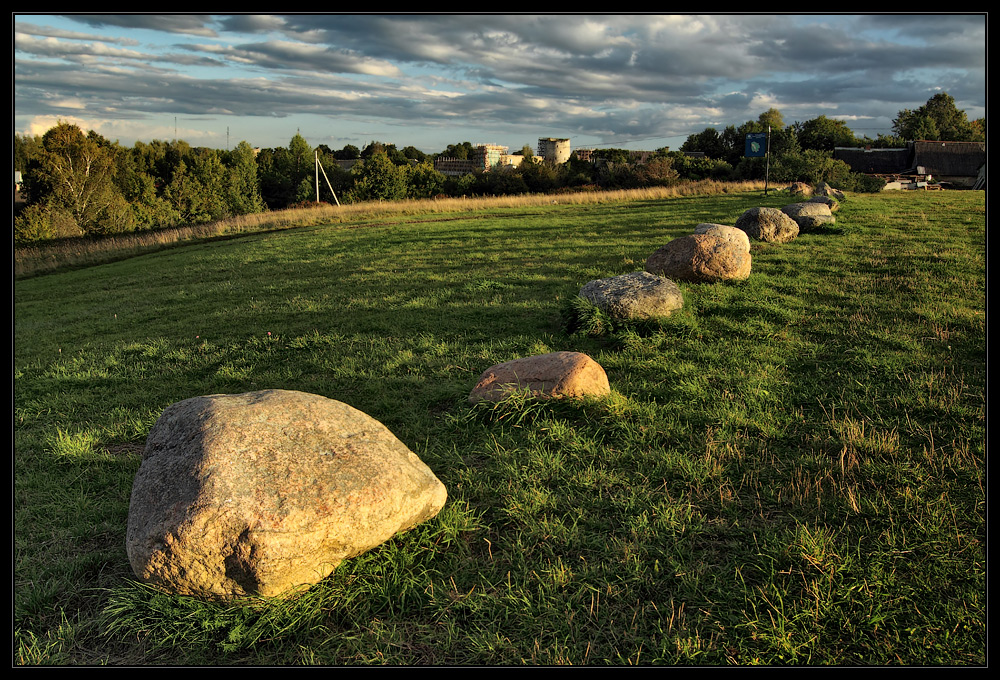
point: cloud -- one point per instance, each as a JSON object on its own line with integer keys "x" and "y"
{"x": 610, "y": 77}
{"x": 191, "y": 24}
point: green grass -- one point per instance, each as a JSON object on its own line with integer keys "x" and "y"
{"x": 790, "y": 470}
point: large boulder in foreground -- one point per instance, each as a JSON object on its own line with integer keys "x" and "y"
{"x": 546, "y": 376}
{"x": 809, "y": 215}
{"x": 637, "y": 295}
{"x": 704, "y": 258}
{"x": 264, "y": 493}
{"x": 768, "y": 224}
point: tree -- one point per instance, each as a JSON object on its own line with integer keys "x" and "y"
{"x": 773, "y": 118}
{"x": 25, "y": 148}
{"x": 657, "y": 171}
{"x": 378, "y": 179}
{"x": 284, "y": 172}
{"x": 824, "y": 134}
{"x": 462, "y": 151}
{"x": 243, "y": 188}
{"x": 139, "y": 189}
{"x": 938, "y": 119}
{"x": 74, "y": 172}
{"x": 707, "y": 142}
{"x": 424, "y": 181}
{"x": 303, "y": 159}
{"x": 414, "y": 154}
{"x": 348, "y": 153}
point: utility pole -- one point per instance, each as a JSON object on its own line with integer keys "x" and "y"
{"x": 319, "y": 169}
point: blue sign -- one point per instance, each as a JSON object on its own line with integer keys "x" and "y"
{"x": 756, "y": 145}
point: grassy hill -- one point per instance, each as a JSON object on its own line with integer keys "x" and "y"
{"x": 791, "y": 469}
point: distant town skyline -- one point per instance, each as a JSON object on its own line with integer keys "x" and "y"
{"x": 637, "y": 81}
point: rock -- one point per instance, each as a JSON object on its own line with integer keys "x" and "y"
{"x": 546, "y": 376}
{"x": 809, "y": 215}
{"x": 829, "y": 201}
{"x": 638, "y": 295}
{"x": 264, "y": 493}
{"x": 768, "y": 224}
{"x": 726, "y": 232}
{"x": 705, "y": 258}
{"x": 800, "y": 188}
{"x": 824, "y": 189}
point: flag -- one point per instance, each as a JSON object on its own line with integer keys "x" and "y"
{"x": 756, "y": 145}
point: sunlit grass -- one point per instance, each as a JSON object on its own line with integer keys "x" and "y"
{"x": 789, "y": 470}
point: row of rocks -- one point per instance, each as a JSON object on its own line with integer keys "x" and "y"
{"x": 265, "y": 493}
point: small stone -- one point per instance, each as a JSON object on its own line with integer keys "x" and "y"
{"x": 546, "y": 376}
{"x": 809, "y": 215}
{"x": 637, "y": 295}
{"x": 824, "y": 189}
{"x": 800, "y": 188}
{"x": 829, "y": 201}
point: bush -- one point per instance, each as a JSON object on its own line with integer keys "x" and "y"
{"x": 41, "y": 221}
{"x": 114, "y": 217}
{"x": 701, "y": 168}
{"x": 867, "y": 184}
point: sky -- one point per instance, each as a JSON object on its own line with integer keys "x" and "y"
{"x": 637, "y": 81}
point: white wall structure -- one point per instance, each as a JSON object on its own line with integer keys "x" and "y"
{"x": 553, "y": 149}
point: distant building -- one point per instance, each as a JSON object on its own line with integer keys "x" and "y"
{"x": 454, "y": 167}
{"x": 958, "y": 163}
{"x": 486, "y": 156}
{"x": 876, "y": 161}
{"x": 553, "y": 149}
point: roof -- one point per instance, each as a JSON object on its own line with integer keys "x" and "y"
{"x": 876, "y": 161}
{"x": 936, "y": 158}
{"x": 950, "y": 158}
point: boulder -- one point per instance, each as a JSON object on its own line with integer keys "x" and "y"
{"x": 768, "y": 224}
{"x": 705, "y": 258}
{"x": 726, "y": 232}
{"x": 809, "y": 215}
{"x": 546, "y": 376}
{"x": 829, "y": 201}
{"x": 264, "y": 493}
{"x": 638, "y": 295}
{"x": 824, "y": 189}
{"x": 800, "y": 189}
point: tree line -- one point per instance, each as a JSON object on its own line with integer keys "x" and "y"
{"x": 77, "y": 183}
{"x": 803, "y": 151}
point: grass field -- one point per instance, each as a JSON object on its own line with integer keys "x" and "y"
{"x": 790, "y": 470}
